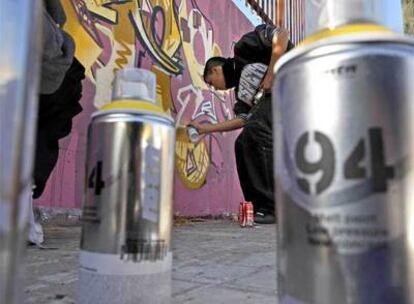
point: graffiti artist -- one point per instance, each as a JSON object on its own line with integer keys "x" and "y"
{"x": 250, "y": 72}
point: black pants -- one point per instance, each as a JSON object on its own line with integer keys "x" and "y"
{"x": 254, "y": 157}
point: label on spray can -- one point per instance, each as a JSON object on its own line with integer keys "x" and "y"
{"x": 344, "y": 181}
{"x": 151, "y": 174}
{"x": 111, "y": 264}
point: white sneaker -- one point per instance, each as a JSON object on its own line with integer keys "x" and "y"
{"x": 36, "y": 235}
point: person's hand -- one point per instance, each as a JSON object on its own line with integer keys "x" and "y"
{"x": 266, "y": 84}
{"x": 201, "y": 128}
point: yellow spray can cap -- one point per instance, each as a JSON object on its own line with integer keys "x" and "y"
{"x": 134, "y": 90}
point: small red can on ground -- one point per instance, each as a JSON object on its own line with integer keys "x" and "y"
{"x": 246, "y": 214}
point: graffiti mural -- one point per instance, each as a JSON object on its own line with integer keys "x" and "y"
{"x": 172, "y": 38}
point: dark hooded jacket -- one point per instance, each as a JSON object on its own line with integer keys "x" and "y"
{"x": 253, "y": 47}
{"x": 60, "y": 93}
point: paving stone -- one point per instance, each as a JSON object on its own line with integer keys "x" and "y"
{"x": 214, "y": 261}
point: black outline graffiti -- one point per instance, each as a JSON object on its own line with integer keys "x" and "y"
{"x": 155, "y": 11}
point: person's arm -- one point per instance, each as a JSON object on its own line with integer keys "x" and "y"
{"x": 225, "y": 126}
{"x": 279, "y": 45}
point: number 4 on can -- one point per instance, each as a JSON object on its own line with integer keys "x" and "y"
{"x": 379, "y": 170}
{"x": 95, "y": 179}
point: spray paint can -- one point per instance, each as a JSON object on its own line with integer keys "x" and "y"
{"x": 19, "y": 66}
{"x": 127, "y": 215}
{"x": 193, "y": 134}
{"x": 343, "y": 130}
{"x": 258, "y": 97}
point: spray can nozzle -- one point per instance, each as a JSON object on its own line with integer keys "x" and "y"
{"x": 134, "y": 83}
{"x": 330, "y": 14}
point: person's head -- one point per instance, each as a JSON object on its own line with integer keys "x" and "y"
{"x": 213, "y": 73}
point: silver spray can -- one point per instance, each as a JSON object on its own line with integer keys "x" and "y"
{"x": 343, "y": 127}
{"x": 127, "y": 215}
{"x": 193, "y": 134}
{"x": 19, "y": 75}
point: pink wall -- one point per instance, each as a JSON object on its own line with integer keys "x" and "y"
{"x": 174, "y": 39}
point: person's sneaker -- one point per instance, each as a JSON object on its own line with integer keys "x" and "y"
{"x": 264, "y": 218}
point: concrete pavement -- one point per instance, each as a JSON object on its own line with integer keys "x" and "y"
{"x": 215, "y": 261}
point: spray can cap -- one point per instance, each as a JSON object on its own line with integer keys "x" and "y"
{"x": 134, "y": 83}
{"x": 330, "y": 14}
